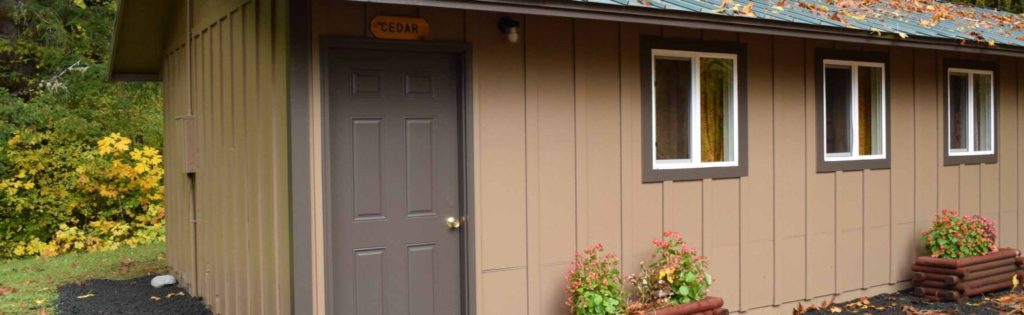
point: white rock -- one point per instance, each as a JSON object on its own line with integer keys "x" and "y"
{"x": 162, "y": 281}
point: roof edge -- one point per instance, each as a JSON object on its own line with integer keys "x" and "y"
{"x": 137, "y": 48}
{"x": 705, "y": 21}
{"x": 111, "y": 74}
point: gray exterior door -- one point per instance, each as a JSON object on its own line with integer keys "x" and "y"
{"x": 394, "y": 181}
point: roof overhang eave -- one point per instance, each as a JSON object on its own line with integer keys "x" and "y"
{"x": 139, "y": 32}
{"x": 707, "y": 21}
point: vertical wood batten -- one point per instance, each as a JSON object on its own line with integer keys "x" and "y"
{"x": 904, "y": 238}
{"x": 757, "y": 237}
{"x": 949, "y": 177}
{"x": 987, "y": 189}
{"x": 1019, "y": 142}
{"x": 926, "y": 142}
{"x": 877, "y": 201}
{"x": 850, "y": 227}
{"x": 500, "y": 167}
{"x": 549, "y": 60}
{"x": 642, "y": 202}
{"x": 216, "y": 151}
{"x": 1007, "y": 150}
{"x": 789, "y": 159}
{"x": 821, "y": 189}
{"x": 849, "y": 231}
{"x": 597, "y": 78}
{"x": 721, "y": 213}
{"x": 532, "y": 159}
{"x": 257, "y": 173}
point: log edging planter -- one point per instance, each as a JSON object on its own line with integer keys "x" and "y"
{"x": 708, "y": 306}
{"x": 956, "y": 279}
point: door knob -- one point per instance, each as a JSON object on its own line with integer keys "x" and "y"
{"x": 453, "y": 223}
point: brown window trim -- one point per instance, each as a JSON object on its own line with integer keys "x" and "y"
{"x": 819, "y": 81}
{"x": 649, "y": 174}
{"x": 944, "y": 107}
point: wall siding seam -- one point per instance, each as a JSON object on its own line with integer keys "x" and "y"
{"x": 775, "y": 267}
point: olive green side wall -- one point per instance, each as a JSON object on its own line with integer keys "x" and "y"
{"x": 226, "y": 70}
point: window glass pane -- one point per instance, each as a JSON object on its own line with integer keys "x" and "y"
{"x": 869, "y": 110}
{"x": 958, "y": 111}
{"x": 672, "y": 108}
{"x": 716, "y": 76}
{"x": 982, "y": 112}
{"x": 837, "y": 109}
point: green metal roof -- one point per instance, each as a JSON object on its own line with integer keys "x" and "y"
{"x": 975, "y": 25}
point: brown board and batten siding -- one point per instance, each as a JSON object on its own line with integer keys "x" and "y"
{"x": 227, "y": 230}
{"x": 556, "y": 125}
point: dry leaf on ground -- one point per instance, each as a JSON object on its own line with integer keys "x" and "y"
{"x": 6, "y": 291}
{"x": 910, "y": 310}
{"x": 125, "y": 265}
{"x": 825, "y": 305}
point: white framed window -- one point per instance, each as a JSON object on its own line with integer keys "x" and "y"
{"x": 694, "y": 111}
{"x": 970, "y": 112}
{"x": 854, "y": 111}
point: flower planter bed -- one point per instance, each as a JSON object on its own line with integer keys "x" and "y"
{"x": 708, "y": 306}
{"x": 941, "y": 279}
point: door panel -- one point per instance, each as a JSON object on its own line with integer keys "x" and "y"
{"x": 394, "y": 180}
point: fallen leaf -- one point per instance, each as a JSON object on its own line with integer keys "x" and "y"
{"x": 6, "y": 291}
{"x": 86, "y": 296}
{"x": 747, "y": 9}
{"x": 39, "y": 302}
{"x": 1015, "y": 282}
{"x": 42, "y": 312}
{"x": 910, "y": 310}
{"x": 154, "y": 298}
{"x": 835, "y": 309}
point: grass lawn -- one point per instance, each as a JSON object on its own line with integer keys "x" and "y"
{"x": 35, "y": 280}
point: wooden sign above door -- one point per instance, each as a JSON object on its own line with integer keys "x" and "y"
{"x": 399, "y": 27}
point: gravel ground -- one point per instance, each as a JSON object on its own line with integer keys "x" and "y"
{"x": 894, "y": 303}
{"x": 133, "y": 296}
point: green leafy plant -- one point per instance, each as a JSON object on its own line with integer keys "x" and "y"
{"x": 675, "y": 275}
{"x": 595, "y": 284}
{"x": 953, "y": 236}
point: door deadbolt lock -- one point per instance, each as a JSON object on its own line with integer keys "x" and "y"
{"x": 453, "y": 223}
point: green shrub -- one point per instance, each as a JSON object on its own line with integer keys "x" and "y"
{"x": 595, "y": 285}
{"x": 952, "y": 236}
{"x": 61, "y": 197}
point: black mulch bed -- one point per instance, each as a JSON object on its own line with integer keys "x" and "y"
{"x": 133, "y": 296}
{"x": 893, "y": 303}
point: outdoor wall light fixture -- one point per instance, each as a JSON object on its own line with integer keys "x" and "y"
{"x": 510, "y": 28}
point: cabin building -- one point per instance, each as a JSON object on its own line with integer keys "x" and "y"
{"x": 445, "y": 157}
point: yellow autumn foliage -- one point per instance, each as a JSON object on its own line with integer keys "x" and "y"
{"x": 64, "y": 199}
